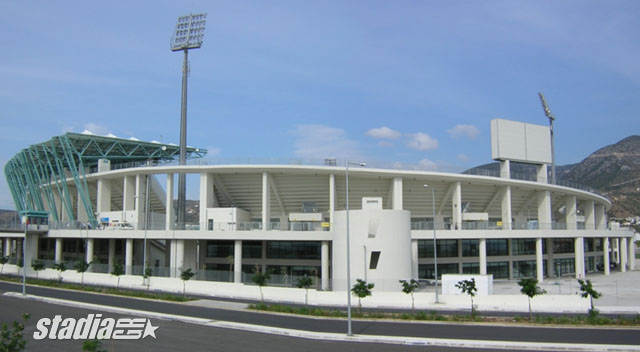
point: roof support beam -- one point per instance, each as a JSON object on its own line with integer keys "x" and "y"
{"x": 447, "y": 195}
{"x": 496, "y": 195}
{"x": 274, "y": 189}
{"x": 223, "y": 190}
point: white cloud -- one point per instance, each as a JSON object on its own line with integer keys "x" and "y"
{"x": 422, "y": 141}
{"x": 422, "y": 165}
{"x": 383, "y": 132}
{"x": 462, "y": 158}
{"x": 385, "y": 144}
{"x": 319, "y": 141}
{"x": 469, "y": 131}
{"x": 213, "y": 151}
{"x": 96, "y": 129}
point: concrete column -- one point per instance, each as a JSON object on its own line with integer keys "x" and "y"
{"x": 82, "y": 212}
{"x": 266, "y": 201}
{"x": 579, "y": 257}
{"x": 617, "y": 250}
{"x": 332, "y": 198}
{"x": 605, "y": 249}
{"x": 549, "y": 257}
{"x": 179, "y": 257}
{"x": 544, "y": 210}
{"x": 128, "y": 257}
{"x": 169, "y": 204}
{"x": 601, "y": 217}
{"x": 237, "y": 262}
{"x": 623, "y": 254}
{"x": 539, "y": 260}
{"x": 112, "y": 254}
{"x": 58, "y": 251}
{"x": 103, "y": 202}
{"x": 396, "y": 201}
{"x": 570, "y": 213}
{"x": 206, "y": 197}
{"x": 189, "y": 257}
{"x": 129, "y": 193}
{"x": 324, "y": 260}
{"x": 505, "y": 169}
{"x": 89, "y": 254}
{"x": 140, "y": 202}
{"x": 30, "y": 251}
{"x": 483, "y": 255}
{"x": 456, "y": 207}
{"x": 506, "y": 208}
{"x": 589, "y": 215}
{"x": 541, "y": 175}
{"x": 6, "y": 249}
{"x": 415, "y": 272}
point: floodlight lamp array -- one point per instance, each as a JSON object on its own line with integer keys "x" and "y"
{"x": 189, "y": 32}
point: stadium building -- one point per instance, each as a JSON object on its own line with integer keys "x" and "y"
{"x": 104, "y": 200}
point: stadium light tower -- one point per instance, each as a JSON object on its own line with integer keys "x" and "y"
{"x": 549, "y": 115}
{"x": 189, "y": 34}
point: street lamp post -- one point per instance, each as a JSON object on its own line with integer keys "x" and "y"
{"x": 146, "y": 224}
{"x": 435, "y": 247}
{"x": 25, "y": 222}
{"x": 349, "y": 331}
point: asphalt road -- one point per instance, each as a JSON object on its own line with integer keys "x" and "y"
{"x": 177, "y": 336}
{"x": 589, "y": 335}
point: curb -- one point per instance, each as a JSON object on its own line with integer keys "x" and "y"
{"x": 396, "y": 340}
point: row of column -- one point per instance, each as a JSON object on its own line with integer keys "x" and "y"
{"x": 177, "y": 251}
{"x": 626, "y": 256}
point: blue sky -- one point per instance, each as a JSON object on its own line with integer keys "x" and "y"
{"x": 408, "y": 82}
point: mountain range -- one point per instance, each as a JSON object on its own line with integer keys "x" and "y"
{"x": 613, "y": 171}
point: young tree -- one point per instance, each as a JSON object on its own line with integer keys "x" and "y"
{"x": 117, "y": 271}
{"x": 468, "y": 287}
{"x": 37, "y": 266}
{"x": 530, "y": 288}
{"x": 261, "y": 279}
{"x": 185, "y": 275}
{"x": 305, "y": 282}
{"x": 3, "y": 260}
{"x": 60, "y": 267}
{"x": 81, "y": 267}
{"x": 409, "y": 287}
{"x": 148, "y": 272}
{"x": 11, "y": 339}
{"x": 361, "y": 289}
{"x": 588, "y": 291}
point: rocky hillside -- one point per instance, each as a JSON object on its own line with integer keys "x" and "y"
{"x": 613, "y": 170}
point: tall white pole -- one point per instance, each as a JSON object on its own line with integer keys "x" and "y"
{"x": 349, "y": 331}
{"x": 25, "y": 222}
{"x": 435, "y": 246}
{"x": 146, "y": 226}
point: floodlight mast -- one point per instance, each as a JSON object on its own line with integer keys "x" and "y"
{"x": 189, "y": 34}
{"x": 550, "y": 116}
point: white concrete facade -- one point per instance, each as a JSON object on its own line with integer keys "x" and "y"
{"x": 484, "y": 225}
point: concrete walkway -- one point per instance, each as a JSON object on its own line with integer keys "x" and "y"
{"x": 621, "y": 294}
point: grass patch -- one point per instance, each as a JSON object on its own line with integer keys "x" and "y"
{"x": 99, "y": 289}
{"x": 434, "y": 316}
